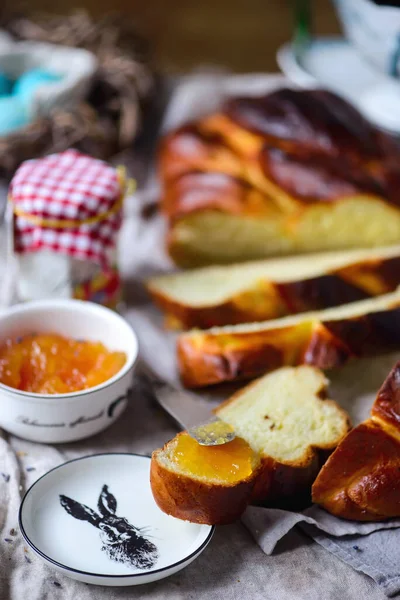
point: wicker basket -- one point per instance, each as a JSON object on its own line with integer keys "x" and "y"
{"x": 111, "y": 117}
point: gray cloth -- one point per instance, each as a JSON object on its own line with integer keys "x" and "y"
{"x": 371, "y": 551}
{"x": 232, "y": 567}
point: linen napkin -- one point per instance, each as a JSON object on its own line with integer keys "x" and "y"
{"x": 371, "y": 548}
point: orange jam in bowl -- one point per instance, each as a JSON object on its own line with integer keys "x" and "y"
{"x": 227, "y": 463}
{"x": 52, "y": 364}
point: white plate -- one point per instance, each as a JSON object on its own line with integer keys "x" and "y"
{"x": 333, "y": 63}
{"x": 94, "y": 519}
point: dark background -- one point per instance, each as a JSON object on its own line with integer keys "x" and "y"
{"x": 241, "y": 35}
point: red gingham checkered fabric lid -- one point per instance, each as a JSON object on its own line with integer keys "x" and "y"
{"x": 69, "y": 203}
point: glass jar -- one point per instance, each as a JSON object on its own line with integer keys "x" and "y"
{"x": 66, "y": 212}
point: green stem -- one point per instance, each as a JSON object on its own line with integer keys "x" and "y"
{"x": 302, "y": 26}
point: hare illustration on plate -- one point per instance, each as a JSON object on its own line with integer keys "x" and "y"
{"x": 122, "y": 541}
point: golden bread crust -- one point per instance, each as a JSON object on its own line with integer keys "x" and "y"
{"x": 207, "y": 358}
{"x": 208, "y": 363}
{"x": 360, "y": 479}
{"x": 278, "y": 156}
{"x": 258, "y": 304}
{"x": 283, "y": 483}
{"x": 204, "y": 190}
{"x": 288, "y": 483}
{"x": 198, "y": 501}
{"x": 265, "y": 299}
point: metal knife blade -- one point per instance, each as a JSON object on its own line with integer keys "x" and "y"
{"x": 185, "y": 408}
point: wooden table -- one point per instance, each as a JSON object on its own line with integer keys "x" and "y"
{"x": 241, "y": 35}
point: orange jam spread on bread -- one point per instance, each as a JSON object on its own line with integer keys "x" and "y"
{"x": 228, "y": 463}
{"x": 53, "y": 364}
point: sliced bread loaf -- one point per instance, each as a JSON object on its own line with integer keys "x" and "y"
{"x": 286, "y": 172}
{"x": 262, "y": 290}
{"x": 326, "y": 339}
{"x": 285, "y": 428}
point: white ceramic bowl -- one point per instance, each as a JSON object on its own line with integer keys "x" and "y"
{"x": 67, "y": 417}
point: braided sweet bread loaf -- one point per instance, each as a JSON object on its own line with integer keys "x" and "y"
{"x": 360, "y": 480}
{"x": 292, "y": 171}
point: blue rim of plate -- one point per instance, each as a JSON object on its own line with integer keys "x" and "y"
{"x": 91, "y": 574}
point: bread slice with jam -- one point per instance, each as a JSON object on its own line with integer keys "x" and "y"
{"x": 285, "y": 428}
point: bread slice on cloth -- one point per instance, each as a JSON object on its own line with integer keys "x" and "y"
{"x": 325, "y": 339}
{"x": 269, "y": 289}
{"x": 285, "y": 427}
{"x": 361, "y": 479}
